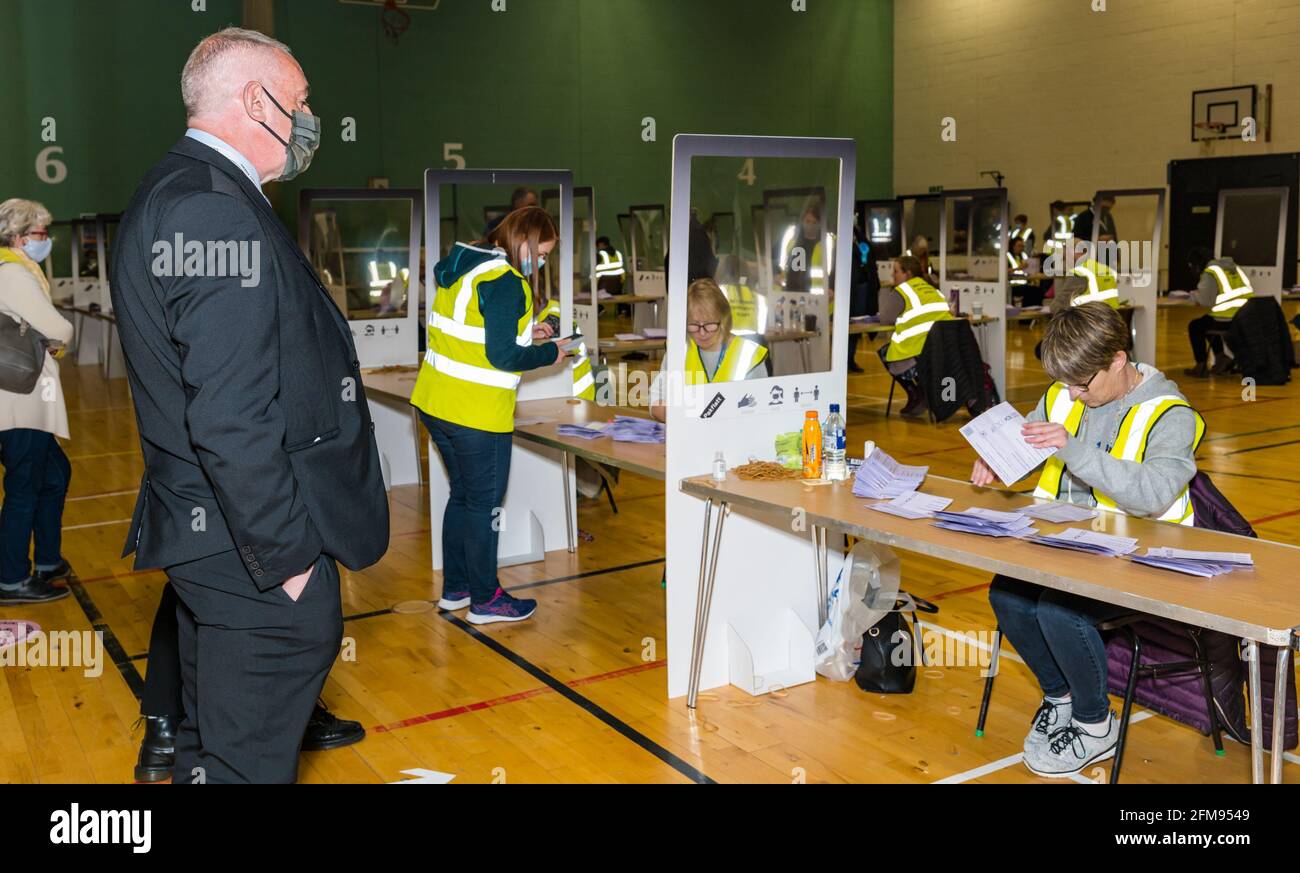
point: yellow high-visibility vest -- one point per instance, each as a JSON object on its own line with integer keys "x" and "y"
{"x": 744, "y": 307}
{"x": 741, "y": 356}
{"x": 818, "y": 267}
{"x": 1102, "y": 284}
{"x": 1234, "y": 290}
{"x": 456, "y": 382}
{"x": 1016, "y": 268}
{"x": 584, "y": 382}
{"x": 1130, "y": 445}
{"x": 609, "y": 263}
{"x": 924, "y": 306}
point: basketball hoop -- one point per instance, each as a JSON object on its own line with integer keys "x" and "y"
{"x": 395, "y": 20}
{"x": 1216, "y": 126}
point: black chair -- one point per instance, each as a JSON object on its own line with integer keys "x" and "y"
{"x": 1124, "y": 624}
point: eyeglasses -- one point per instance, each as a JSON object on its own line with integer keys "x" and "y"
{"x": 1083, "y": 389}
{"x": 38, "y": 234}
{"x": 703, "y": 327}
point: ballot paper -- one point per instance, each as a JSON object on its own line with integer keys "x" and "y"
{"x": 628, "y": 337}
{"x": 631, "y": 429}
{"x": 879, "y": 475}
{"x": 995, "y": 436}
{"x": 590, "y": 431}
{"x": 1091, "y": 541}
{"x": 1058, "y": 512}
{"x": 623, "y": 429}
{"x": 655, "y": 332}
{"x": 986, "y": 522}
{"x": 912, "y": 504}
{"x": 1195, "y": 563}
{"x": 569, "y": 343}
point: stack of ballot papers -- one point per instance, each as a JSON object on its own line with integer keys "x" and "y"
{"x": 1091, "y": 541}
{"x": 1195, "y": 563}
{"x": 881, "y": 476}
{"x": 655, "y": 332}
{"x": 1058, "y": 512}
{"x": 986, "y": 522}
{"x": 623, "y": 429}
{"x": 630, "y": 429}
{"x": 628, "y": 337}
{"x": 995, "y": 436}
{"x": 912, "y": 504}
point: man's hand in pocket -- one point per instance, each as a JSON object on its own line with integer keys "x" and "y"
{"x": 294, "y": 585}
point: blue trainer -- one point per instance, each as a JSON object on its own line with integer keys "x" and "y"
{"x": 502, "y": 607}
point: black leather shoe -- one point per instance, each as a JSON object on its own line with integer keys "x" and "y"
{"x": 63, "y": 571}
{"x": 157, "y": 749}
{"x": 1200, "y": 371}
{"x": 32, "y": 590}
{"x": 326, "y": 731}
{"x": 1222, "y": 366}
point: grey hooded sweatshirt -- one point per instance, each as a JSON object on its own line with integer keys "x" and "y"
{"x": 1146, "y": 488}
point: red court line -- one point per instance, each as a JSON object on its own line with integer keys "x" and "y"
{"x": 514, "y": 698}
{"x": 1268, "y": 518}
{"x": 969, "y": 590}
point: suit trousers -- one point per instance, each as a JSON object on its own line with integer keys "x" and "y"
{"x": 251, "y": 670}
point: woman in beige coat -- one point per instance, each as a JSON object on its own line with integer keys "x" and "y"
{"x": 36, "y": 471}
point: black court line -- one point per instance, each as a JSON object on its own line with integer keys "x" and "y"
{"x": 1229, "y": 436}
{"x": 588, "y": 574}
{"x": 584, "y": 703}
{"x": 112, "y": 645}
{"x": 1261, "y": 448}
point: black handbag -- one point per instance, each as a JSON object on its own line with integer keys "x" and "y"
{"x": 890, "y": 650}
{"x": 22, "y": 355}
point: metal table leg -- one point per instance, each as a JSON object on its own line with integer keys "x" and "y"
{"x": 568, "y": 504}
{"x": 704, "y": 597}
{"x": 1256, "y": 714}
{"x": 817, "y": 534}
{"x": 1279, "y": 712}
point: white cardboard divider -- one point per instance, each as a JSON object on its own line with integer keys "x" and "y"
{"x": 989, "y": 294}
{"x": 1140, "y": 286}
{"x": 532, "y": 521}
{"x": 1264, "y": 279}
{"x": 778, "y": 669}
{"x": 764, "y": 568}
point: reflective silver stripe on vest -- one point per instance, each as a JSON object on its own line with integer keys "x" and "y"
{"x": 469, "y": 373}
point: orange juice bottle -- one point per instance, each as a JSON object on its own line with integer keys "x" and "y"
{"x": 812, "y": 446}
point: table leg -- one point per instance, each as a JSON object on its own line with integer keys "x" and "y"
{"x": 568, "y": 504}
{"x": 805, "y": 353}
{"x": 817, "y": 534}
{"x": 704, "y": 598}
{"x": 1279, "y": 712}
{"x": 417, "y": 429}
{"x": 105, "y": 353}
{"x": 1256, "y": 714}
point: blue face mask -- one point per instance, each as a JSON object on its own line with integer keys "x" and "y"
{"x": 38, "y": 249}
{"x": 527, "y": 267}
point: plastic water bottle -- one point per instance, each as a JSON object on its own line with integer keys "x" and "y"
{"x": 833, "y": 436}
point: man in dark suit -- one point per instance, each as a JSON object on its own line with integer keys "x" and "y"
{"x": 260, "y": 462}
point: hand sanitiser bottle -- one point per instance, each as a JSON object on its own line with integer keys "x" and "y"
{"x": 719, "y": 467}
{"x": 833, "y": 437}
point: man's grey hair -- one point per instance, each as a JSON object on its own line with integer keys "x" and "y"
{"x": 18, "y": 217}
{"x": 210, "y": 74}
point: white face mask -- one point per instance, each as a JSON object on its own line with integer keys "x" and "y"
{"x": 38, "y": 249}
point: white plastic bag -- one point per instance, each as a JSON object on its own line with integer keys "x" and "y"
{"x": 863, "y": 591}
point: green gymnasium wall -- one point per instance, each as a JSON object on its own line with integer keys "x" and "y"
{"x": 545, "y": 84}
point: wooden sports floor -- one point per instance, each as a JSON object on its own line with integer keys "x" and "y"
{"x": 577, "y": 694}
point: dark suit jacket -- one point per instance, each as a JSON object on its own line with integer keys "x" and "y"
{"x": 253, "y": 422}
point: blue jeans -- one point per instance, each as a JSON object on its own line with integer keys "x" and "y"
{"x": 478, "y": 467}
{"x": 1056, "y": 633}
{"x": 36, "y": 480}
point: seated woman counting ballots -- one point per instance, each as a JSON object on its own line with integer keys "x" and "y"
{"x": 713, "y": 352}
{"x": 912, "y": 309}
{"x": 1126, "y": 441}
{"x": 481, "y": 338}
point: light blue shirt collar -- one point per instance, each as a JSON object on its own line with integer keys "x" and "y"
{"x": 229, "y": 152}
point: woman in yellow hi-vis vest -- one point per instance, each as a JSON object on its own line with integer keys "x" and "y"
{"x": 481, "y": 339}
{"x": 1126, "y": 443}
{"x": 713, "y": 352}
{"x": 1223, "y": 289}
{"x": 913, "y": 309}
